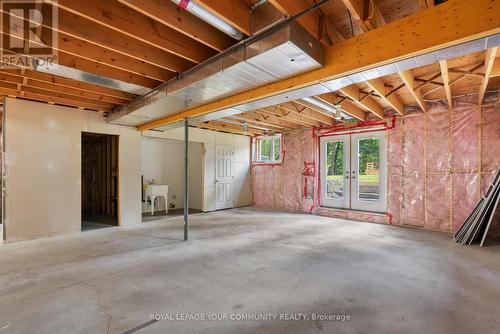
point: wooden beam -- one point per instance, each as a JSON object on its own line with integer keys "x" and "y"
{"x": 366, "y": 12}
{"x": 311, "y": 21}
{"x": 255, "y": 124}
{"x": 265, "y": 118}
{"x": 84, "y": 29}
{"x": 448, "y": 24}
{"x": 367, "y": 103}
{"x": 176, "y": 18}
{"x": 49, "y": 97}
{"x": 313, "y": 114}
{"x": 32, "y": 86}
{"x": 349, "y": 107}
{"x": 443, "y": 65}
{"x": 129, "y": 22}
{"x": 378, "y": 86}
{"x": 234, "y": 12}
{"x": 230, "y": 128}
{"x": 409, "y": 80}
{"x": 424, "y": 4}
{"x": 488, "y": 66}
{"x": 290, "y": 115}
{"x": 96, "y": 68}
{"x": 82, "y": 49}
{"x": 108, "y": 94}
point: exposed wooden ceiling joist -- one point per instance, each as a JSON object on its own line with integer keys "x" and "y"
{"x": 488, "y": 66}
{"x": 108, "y": 94}
{"x": 312, "y": 21}
{"x": 378, "y": 86}
{"x": 265, "y": 118}
{"x": 448, "y": 24}
{"x": 409, "y": 80}
{"x": 168, "y": 13}
{"x": 366, "y": 12}
{"x": 75, "y": 93}
{"x": 349, "y": 107}
{"x": 443, "y": 65}
{"x": 47, "y": 96}
{"x": 368, "y": 103}
{"x": 120, "y": 18}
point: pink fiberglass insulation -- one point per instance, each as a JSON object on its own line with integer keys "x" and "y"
{"x": 438, "y": 202}
{"x": 490, "y": 136}
{"x": 292, "y": 171}
{"x": 413, "y": 199}
{"x": 438, "y": 141}
{"x": 413, "y": 143}
{"x": 439, "y": 164}
{"x": 394, "y": 147}
{"x": 394, "y": 197}
{"x": 465, "y": 196}
{"x": 465, "y": 140}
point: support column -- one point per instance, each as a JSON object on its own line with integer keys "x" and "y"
{"x": 186, "y": 177}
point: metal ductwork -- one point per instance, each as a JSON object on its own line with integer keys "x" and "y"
{"x": 278, "y": 54}
{"x": 357, "y": 77}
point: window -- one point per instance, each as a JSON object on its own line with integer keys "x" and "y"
{"x": 267, "y": 149}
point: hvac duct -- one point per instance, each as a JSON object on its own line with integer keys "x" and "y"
{"x": 202, "y": 13}
{"x": 275, "y": 55}
{"x": 338, "y": 83}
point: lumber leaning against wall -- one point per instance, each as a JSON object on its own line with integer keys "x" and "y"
{"x": 439, "y": 164}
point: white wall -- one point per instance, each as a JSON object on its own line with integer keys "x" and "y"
{"x": 162, "y": 160}
{"x": 43, "y": 166}
{"x": 241, "y": 146}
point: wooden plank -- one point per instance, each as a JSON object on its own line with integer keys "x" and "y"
{"x": 366, "y": 12}
{"x": 409, "y": 81}
{"x": 234, "y": 12}
{"x": 269, "y": 119}
{"x": 129, "y": 22}
{"x": 25, "y": 81}
{"x": 367, "y": 103}
{"x": 109, "y": 94}
{"x": 48, "y": 98}
{"x": 488, "y": 66}
{"x": 349, "y": 107}
{"x": 290, "y": 115}
{"x": 443, "y": 65}
{"x": 448, "y": 24}
{"x": 310, "y": 112}
{"x": 378, "y": 86}
{"x": 169, "y": 14}
{"x": 311, "y": 21}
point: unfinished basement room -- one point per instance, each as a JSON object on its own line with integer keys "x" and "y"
{"x": 250, "y": 166}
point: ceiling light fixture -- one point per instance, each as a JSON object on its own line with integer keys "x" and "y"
{"x": 200, "y": 12}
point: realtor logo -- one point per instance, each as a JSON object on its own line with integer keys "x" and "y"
{"x": 29, "y": 34}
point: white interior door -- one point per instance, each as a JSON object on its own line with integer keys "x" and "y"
{"x": 369, "y": 171}
{"x": 354, "y": 171}
{"x": 224, "y": 177}
{"x": 335, "y": 169}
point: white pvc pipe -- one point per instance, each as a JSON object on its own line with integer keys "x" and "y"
{"x": 200, "y": 12}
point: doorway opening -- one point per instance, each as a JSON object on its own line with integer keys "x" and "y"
{"x": 99, "y": 181}
{"x": 354, "y": 171}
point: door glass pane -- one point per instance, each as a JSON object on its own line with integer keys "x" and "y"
{"x": 335, "y": 169}
{"x": 368, "y": 171}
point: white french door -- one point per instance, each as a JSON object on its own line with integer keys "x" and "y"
{"x": 354, "y": 171}
{"x": 224, "y": 177}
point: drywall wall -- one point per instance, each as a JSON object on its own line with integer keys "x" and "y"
{"x": 43, "y": 168}
{"x": 209, "y": 139}
{"x": 162, "y": 162}
{"x": 439, "y": 164}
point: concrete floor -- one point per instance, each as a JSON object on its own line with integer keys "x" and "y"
{"x": 387, "y": 279}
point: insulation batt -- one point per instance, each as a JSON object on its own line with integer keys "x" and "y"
{"x": 439, "y": 164}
